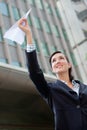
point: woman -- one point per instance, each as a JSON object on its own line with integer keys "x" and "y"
{"x": 66, "y": 97}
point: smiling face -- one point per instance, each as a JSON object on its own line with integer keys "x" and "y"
{"x": 59, "y": 63}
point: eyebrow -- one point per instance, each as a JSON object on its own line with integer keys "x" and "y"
{"x": 60, "y": 56}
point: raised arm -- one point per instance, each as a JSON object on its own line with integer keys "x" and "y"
{"x": 35, "y": 72}
{"x": 23, "y": 25}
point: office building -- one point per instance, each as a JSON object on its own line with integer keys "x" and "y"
{"x": 21, "y": 105}
{"x": 74, "y": 18}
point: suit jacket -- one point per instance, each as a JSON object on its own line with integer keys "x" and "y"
{"x": 70, "y": 109}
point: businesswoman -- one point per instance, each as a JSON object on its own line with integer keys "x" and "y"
{"x": 66, "y": 97}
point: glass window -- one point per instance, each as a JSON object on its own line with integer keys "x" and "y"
{"x": 86, "y": 56}
{"x": 45, "y": 48}
{"x": 55, "y": 30}
{"x": 16, "y": 13}
{"x": 15, "y": 63}
{"x": 37, "y": 22}
{"x": 31, "y": 2}
{"x": 29, "y": 20}
{"x": 4, "y": 8}
{"x": 10, "y": 42}
{"x": 36, "y": 44}
{"x": 76, "y": 0}
{"x": 39, "y": 4}
{"x": 7, "y": 22}
{"x": 14, "y": 2}
{"x": 82, "y": 15}
{"x": 57, "y": 13}
{"x": 3, "y": 60}
{"x": 73, "y": 58}
{"x": 85, "y": 33}
{"x": 24, "y": 1}
{"x": 64, "y": 34}
{"x": 1, "y": 36}
{"x": 23, "y": 45}
{"x": 46, "y": 26}
{"x": 48, "y": 8}
{"x": 53, "y": 49}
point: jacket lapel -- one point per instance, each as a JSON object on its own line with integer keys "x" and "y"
{"x": 63, "y": 85}
{"x": 82, "y": 88}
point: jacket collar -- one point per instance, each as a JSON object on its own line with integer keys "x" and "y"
{"x": 62, "y": 84}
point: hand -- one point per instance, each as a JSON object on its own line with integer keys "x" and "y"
{"x": 23, "y": 25}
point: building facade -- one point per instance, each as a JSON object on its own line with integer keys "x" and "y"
{"x": 53, "y": 28}
{"x": 74, "y": 18}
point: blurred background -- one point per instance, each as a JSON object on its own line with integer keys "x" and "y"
{"x": 55, "y": 25}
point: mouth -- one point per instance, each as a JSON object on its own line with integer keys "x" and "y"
{"x": 59, "y": 66}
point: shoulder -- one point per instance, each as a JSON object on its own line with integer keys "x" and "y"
{"x": 80, "y": 82}
{"x": 82, "y": 85}
{"x": 53, "y": 84}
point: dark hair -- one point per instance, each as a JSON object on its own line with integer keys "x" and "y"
{"x": 70, "y": 69}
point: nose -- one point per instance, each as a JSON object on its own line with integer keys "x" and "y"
{"x": 57, "y": 61}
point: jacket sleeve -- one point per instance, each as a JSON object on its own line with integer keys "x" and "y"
{"x": 36, "y": 74}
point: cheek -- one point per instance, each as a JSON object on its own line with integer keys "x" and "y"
{"x": 52, "y": 65}
{"x": 66, "y": 66}
{"x": 53, "y": 68}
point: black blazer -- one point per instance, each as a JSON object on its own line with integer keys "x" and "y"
{"x": 70, "y": 110}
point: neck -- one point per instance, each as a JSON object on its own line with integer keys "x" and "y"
{"x": 64, "y": 77}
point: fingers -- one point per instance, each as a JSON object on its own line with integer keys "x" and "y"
{"x": 23, "y": 25}
{"x": 22, "y": 22}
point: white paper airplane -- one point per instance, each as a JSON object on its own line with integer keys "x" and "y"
{"x": 15, "y": 33}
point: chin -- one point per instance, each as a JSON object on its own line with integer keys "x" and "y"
{"x": 60, "y": 72}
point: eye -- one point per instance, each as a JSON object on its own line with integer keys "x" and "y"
{"x": 54, "y": 60}
{"x": 61, "y": 57}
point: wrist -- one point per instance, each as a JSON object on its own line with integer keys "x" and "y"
{"x": 29, "y": 39}
{"x": 29, "y": 36}
{"x": 28, "y": 32}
